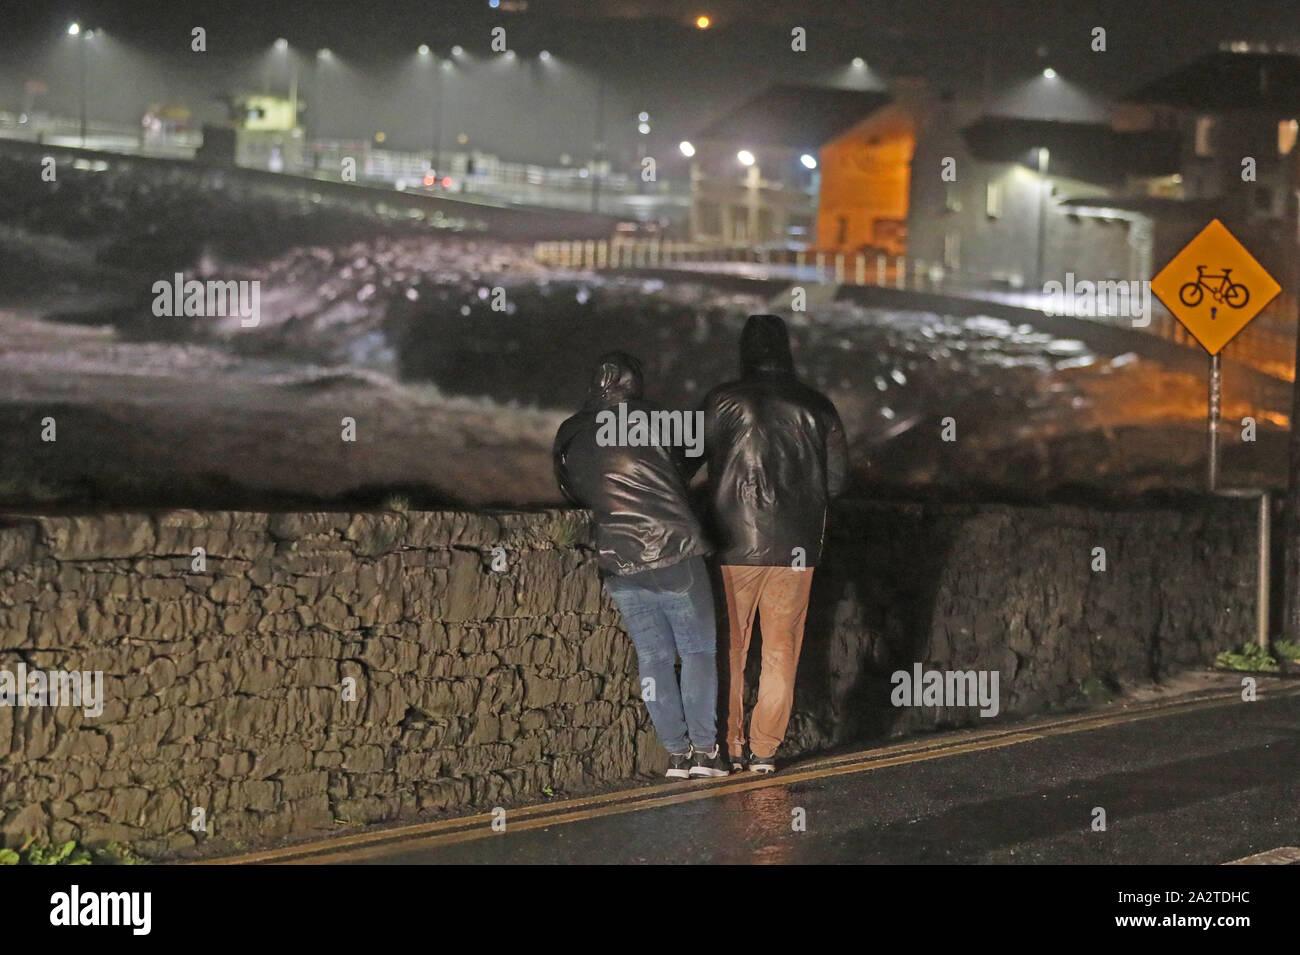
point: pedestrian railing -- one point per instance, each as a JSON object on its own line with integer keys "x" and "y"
{"x": 800, "y": 265}
{"x": 1267, "y": 344}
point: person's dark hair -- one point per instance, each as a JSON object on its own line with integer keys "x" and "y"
{"x": 765, "y": 345}
{"x": 617, "y": 377}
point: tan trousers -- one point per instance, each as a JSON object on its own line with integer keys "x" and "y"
{"x": 780, "y": 596}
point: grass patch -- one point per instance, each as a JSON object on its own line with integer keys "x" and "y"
{"x": 1286, "y": 650}
{"x": 568, "y": 530}
{"x": 39, "y": 852}
{"x": 1249, "y": 657}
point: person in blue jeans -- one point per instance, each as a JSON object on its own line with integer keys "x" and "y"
{"x": 650, "y": 554}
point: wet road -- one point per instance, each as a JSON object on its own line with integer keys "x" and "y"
{"x": 1202, "y": 782}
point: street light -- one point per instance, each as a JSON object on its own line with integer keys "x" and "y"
{"x": 598, "y": 150}
{"x": 809, "y": 161}
{"x": 544, "y": 56}
{"x": 859, "y": 63}
{"x": 688, "y": 150}
{"x": 753, "y": 179}
{"x": 317, "y": 113}
{"x": 1044, "y": 157}
{"x": 74, "y": 30}
{"x": 1049, "y": 74}
{"x": 436, "y": 138}
{"x": 281, "y": 46}
{"x": 703, "y": 22}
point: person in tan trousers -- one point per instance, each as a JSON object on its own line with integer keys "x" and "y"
{"x": 776, "y": 455}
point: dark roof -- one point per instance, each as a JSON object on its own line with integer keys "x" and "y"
{"x": 1266, "y": 81}
{"x": 1049, "y": 99}
{"x": 1091, "y": 152}
{"x": 798, "y": 117}
{"x": 1155, "y": 206}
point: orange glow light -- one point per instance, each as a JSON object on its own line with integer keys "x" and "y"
{"x": 703, "y": 22}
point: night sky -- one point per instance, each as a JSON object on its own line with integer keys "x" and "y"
{"x": 648, "y": 50}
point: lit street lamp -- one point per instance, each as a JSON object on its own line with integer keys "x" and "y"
{"x": 74, "y": 30}
{"x": 1044, "y": 157}
{"x": 317, "y": 112}
{"x": 753, "y": 180}
{"x": 437, "y": 106}
{"x": 281, "y": 47}
{"x": 599, "y": 151}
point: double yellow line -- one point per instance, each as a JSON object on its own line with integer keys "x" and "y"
{"x": 365, "y": 846}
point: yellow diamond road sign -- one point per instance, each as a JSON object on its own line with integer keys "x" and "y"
{"x": 1214, "y": 287}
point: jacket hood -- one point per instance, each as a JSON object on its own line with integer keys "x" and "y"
{"x": 765, "y": 345}
{"x": 617, "y": 378}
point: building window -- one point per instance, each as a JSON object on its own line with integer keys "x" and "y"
{"x": 951, "y": 199}
{"x": 739, "y": 223}
{"x": 842, "y": 231}
{"x": 993, "y": 200}
{"x": 1205, "y": 136}
{"x": 710, "y": 218}
{"x": 952, "y": 250}
{"x": 1286, "y": 133}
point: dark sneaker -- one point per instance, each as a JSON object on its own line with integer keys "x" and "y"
{"x": 761, "y": 764}
{"x": 710, "y": 764}
{"x": 679, "y": 765}
{"x": 738, "y": 764}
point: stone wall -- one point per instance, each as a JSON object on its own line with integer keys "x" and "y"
{"x": 1013, "y": 589}
{"x": 227, "y": 683}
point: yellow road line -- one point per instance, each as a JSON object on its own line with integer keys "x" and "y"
{"x": 463, "y": 828}
{"x": 1283, "y": 855}
{"x": 692, "y": 795}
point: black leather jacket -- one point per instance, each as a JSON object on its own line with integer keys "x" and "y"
{"x": 637, "y": 495}
{"x": 776, "y": 453}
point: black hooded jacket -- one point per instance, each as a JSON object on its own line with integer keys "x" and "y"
{"x": 776, "y": 453}
{"x": 637, "y": 495}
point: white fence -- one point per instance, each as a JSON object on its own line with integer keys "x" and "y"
{"x": 842, "y": 268}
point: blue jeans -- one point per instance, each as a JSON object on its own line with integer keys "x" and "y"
{"x": 668, "y": 613}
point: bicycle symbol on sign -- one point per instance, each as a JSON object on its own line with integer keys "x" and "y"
{"x": 1220, "y": 287}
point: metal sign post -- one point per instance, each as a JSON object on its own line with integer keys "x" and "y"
{"x": 1265, "y": 551}
{"x": 1214, "y": 286}
{"x": 1263, "y": 581}
{"x": 1216, "y": 391}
